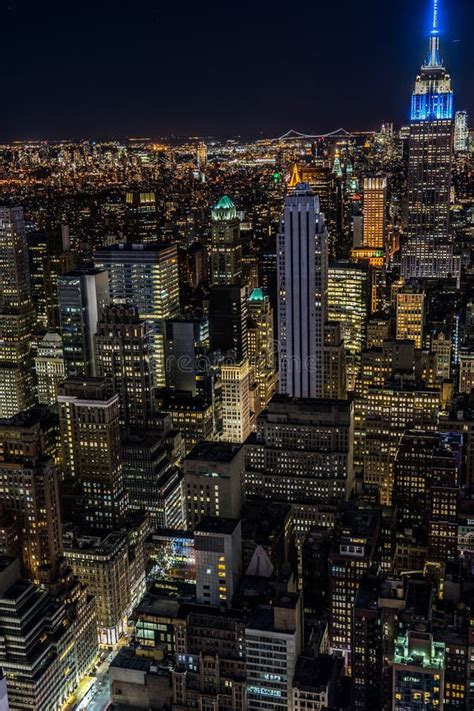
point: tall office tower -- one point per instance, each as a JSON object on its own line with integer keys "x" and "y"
{"x": 442, "y": 347}
{"x": 16, "y": 315}
{"x": 250, "y": 264}
{"x": 92, "y": 452}
{"x": 375, "y": 219}
{"x": 228, "y": 312}
{"x": 212, "y": 643}
{"x": 226, "y": 247}
{"x": 147, "y": 277}
{"x": 53, "y": 646}
{"x": 367, "y": 659}
{"x": 236, "y": 419}
{"x": 424, "y": 460}
{"x": 105, "y": 566}
{"x": 50, "y": 256}
{"x": 192, "y": 262}
{"x": 122, "y": 347}
{"x": 387, "y": 411}
{"x": 354, "y": 553}
{"x": 82, "y": 295}
{"x": 466, "y": 370}
{"x": 273, "y": 642}
{"x": 213, "y": 474}
{"x": 29, "y": 490}
{"x": 261, "y": 346}
{"x": 411, "y": 315}
{"x": 335, "y": 368}
{"x": 218, "y": 548}
{"x": 418, "y": 671}
{"x": 50, "y": 368}
{"x": 186, "y": 349}
{"x": 201, "y": 156}
{"x": 378, "y": 330}
{"x": 150, "y": 474}
{"x": 301, "y": 454}
{"x": 427, "y": 252}
{"x": 348, "y": 304}
{"x": 141, "y": 217}
{"x": 302, "y": 305}
{"x": 461, "y": 132}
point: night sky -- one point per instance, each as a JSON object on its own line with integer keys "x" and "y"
{"x": 122, "y": 68}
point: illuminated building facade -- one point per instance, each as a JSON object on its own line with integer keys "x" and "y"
{"x": 150, "y": 474}
{"x": 226, "y": 246}
{"x": 82, "y": 295}
{"x": 92, "y": 452}
{"x": 218, "y": 549}
{"x": 411, "y": 315}
{"x": 335, "y": 368}
{"x": 50, "y": 368}
{"x": 348, "y": 295}
{"x": 418, "y": 672}
{"x": 123, "y": 359}
{"x": 16, "y": 315}
{"x": 147, "y": 277}
{"x": 30, "y": 490}
{"x": 461, "y": 132}
{"x": 236, "y": 422}
{"x": 297, "y": 444}
{"x": 375, "y": 195}
{"x": 213, "y": 474}
{"x": 103, "y": 565}
{"x": 272, "y": 647}
{"x": 141, "y": 217}
{"x": 353, "y": 554}
{"x": 53, "y": 646}
{"x": 261, "y": 345}
{"x": 302, "y": 300}
{"x": 49, "y": 256}
{"x": 426, "y": 252}
{"x": 426, "y": 463}
{"x": 387, "y": 412}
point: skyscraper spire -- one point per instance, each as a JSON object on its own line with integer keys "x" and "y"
{"x": 433, "y": 59}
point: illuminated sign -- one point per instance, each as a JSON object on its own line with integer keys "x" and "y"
{"x": 276, "y": 693}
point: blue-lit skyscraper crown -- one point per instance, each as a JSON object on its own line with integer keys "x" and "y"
{"x": 432, "y": 99}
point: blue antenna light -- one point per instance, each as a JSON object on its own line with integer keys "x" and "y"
{"x": 435, "y": 27}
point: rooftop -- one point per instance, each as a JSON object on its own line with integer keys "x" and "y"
{"x": 217, "y": 524}
{"x": 214, "y": 451}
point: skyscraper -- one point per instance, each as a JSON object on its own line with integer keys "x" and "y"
{"x": 92, "y": 452}
{"x": 411, "y": 315}
{"x": 16, "y": 315}
{"x": 49, "y": 367}
{"x": 302, "y": 305}
{"x": 375, "y": 193}
{"x": 228, "y": 311}
{"x": 226, "y": 247}
{"x": 29, "y": 490}
{"x": 427, "y": 251}
{"x": 348, "y": 304}
{"x": 122, "y": 345}
{"x": 146, "y": 276}
{"x": 461, "y": 132}
{"x": 82, "y": 295}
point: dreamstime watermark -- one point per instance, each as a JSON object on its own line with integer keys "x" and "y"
{"x": 206, "y": 363}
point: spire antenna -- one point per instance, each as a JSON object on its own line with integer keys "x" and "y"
{"x": 434, "y": 59}
{"x": 435, "y": 27}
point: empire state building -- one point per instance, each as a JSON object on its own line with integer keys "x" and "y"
{"x": 427, "y": 251}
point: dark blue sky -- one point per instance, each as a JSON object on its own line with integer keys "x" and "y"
{"x": 108, "y": 68}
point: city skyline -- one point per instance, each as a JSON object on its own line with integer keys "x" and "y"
{"x": 119, "y": 73}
